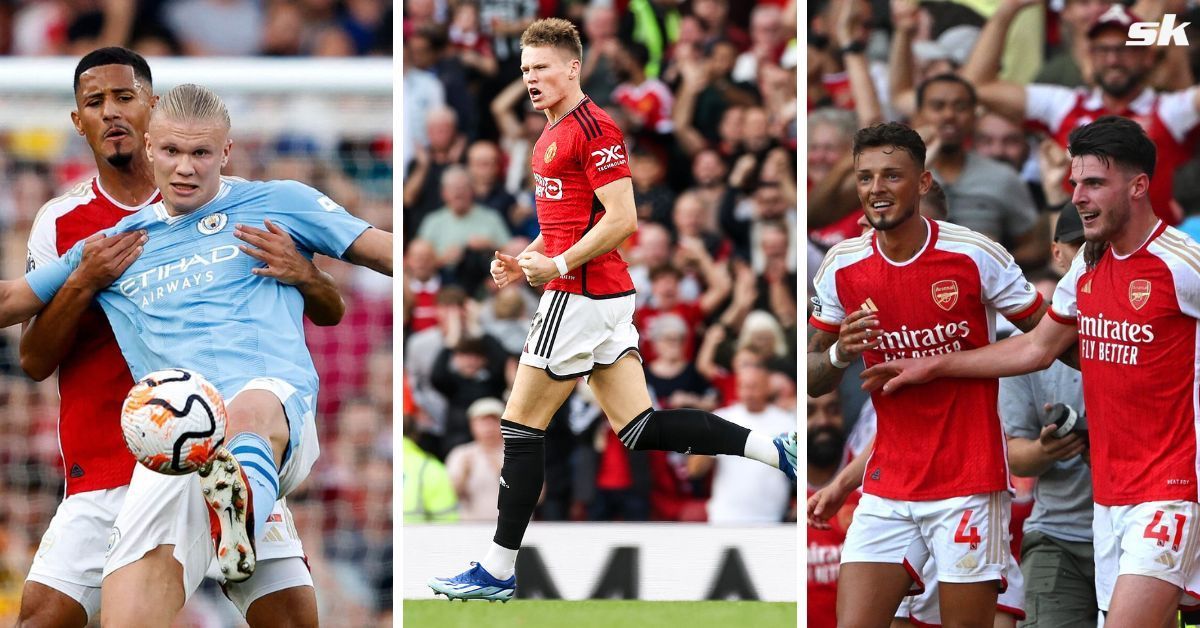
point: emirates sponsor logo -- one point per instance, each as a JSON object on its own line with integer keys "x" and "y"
{"x": 915, "y": 343}
{"x": 945, "y": 293}
{"x": 1139, "y": 293}
{"x": 1112, "y": 341}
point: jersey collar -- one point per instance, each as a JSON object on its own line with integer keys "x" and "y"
{"x": 160, "y": 208}
{"x": 579, "y": 104}
{"x": 129, "y": 208}
{"x": 930, "y": 234}
{"x": 1142, "y": 105}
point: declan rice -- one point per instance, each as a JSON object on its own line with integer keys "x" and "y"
{"x": 584, "y": 324}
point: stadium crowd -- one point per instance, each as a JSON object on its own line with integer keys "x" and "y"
{"x": 993, "y": 89}
{"x": 705, "y": 94}
{"x": 160, "y": 28}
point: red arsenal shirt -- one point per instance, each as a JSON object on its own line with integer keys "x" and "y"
{"x": 93, "y": 377}
{"x": 940, "y": 439}
{"x": 1139, "y": 354}
{"x": 581, "y": 152}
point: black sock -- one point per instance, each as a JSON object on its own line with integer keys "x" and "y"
{"x": 685, "y": 430}
{"x": 521, "y": 480}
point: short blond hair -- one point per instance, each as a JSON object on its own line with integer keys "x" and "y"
{"x": 553, "y": 32}
{"x": 193, "y": 103}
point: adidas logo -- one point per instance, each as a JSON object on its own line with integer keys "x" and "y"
{"x": 76, "y": 471}
{"x": 967, "y": 562}
{"x": 502, "y": 482}
{"x": 1166, "y": 559}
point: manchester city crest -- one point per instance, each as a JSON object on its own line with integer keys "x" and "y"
{"x": 212, "y": 223}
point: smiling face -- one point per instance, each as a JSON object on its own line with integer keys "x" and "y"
{"x": 548, "y": 73}
{"x": 948, "y": 107}
{"x": 1103, "y": 194}
{"x": 187, "y": 157}
{"x": 1119, "y": 70}
{"x": 112, "y": 112}
{"x": 890, "y": 185}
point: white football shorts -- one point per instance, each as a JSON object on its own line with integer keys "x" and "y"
{"x": 925, "y": 608}
{"x": 967, "y": 536}
{"x": 71, "y": 556}
{"x": 1155, "y": 539}
{"x": 170, "y": 510}
{"x": 571, "y": 334}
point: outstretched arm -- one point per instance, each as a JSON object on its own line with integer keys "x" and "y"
{"x": 372, "y": 249}
{"x": 1012, "y": 356}
{"x": 619, "y": 222}
{"x": 47, "y": 338}
{"x": 826, "y": 502}
{"x": 323, "y": 304}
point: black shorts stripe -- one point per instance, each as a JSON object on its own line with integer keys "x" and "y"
{"x": 587, "y": 129}
{"x": 586, "y": 111}
{"x": 557, "y": 322}
{"x": 548, "y": 322}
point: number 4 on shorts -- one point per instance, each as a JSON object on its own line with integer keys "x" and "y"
{"x": 965, "y": 536}
{"x": 1161, "y": 534}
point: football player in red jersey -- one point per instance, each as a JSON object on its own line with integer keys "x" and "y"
{"x": 584, "y": 325}
{"x": 1132, "y": 301}
{"x": 114, "y": 97}
{"x": 915, "y": 286}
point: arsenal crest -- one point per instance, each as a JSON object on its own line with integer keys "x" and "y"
{"x": 1139, "y": 293}
{"x": 550, "y": 151}
{"x": 945, "y": 293}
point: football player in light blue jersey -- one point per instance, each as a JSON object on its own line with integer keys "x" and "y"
{"x": 194, "y": 299}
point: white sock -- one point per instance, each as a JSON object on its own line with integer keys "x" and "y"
{"x": 501, "y": 562}
{"x": 760, "y": 447}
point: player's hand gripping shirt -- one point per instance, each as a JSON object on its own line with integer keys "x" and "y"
{"x": 92, "y": 377}
{"x": 1139, "y": 354}
{"x": 940, "y": 439}
{"x": 581, "y": 152}
{"x": 190, "y": 300}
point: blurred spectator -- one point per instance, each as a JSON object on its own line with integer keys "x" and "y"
{"x": 767, "y": 43}
{"x": 474, "y": 467}
{"x": 483, "y": 165}
{"x": 731, "y": 502}
{"x": 423, "y": 95}
{"x": 1122, "y": 76}
{"x": 646, "y": 101}
{"x": 427, "y": 489}
{"x": 983, "y": 194}
{"x": 445, "y": 147}
{"x": 600, "y": 49}
{"x": 212, "y": 27}
{"x": 473, "y": 369}
{"x": 462, "y": 226}
{"x": 651, "y": 193}
{"x": 421, "y": 286}
{"x": 826, "y": 455}
{"x": 673, "y": 379}
{"x": 833, "y": 206}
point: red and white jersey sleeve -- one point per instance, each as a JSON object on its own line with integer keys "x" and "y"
{"x": 93, "y": 376}
{"x": 580, "y": 153}
{"x": 942, "y": 300}
{"x": 1139, "y": 352}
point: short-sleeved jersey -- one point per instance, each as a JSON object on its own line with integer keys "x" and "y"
{"x": 191, "y": 301}
{"x": 1139, "y": 353}
{"x": 92, "y": 377}
{"x": 940, "y": 439}
{"x": 580, "y": 153}
{"x": 1170, "y": 120}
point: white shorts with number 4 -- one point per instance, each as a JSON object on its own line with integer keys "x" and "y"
{"x": 966, "y": 536}
{"x": 571, "y": 334}
{"x": 1155, "y": 539}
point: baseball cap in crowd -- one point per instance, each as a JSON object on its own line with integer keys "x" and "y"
{"x": 1069, "y": 228}
{"x": 1117, "y": 16}
{"x": 487, "y": 406}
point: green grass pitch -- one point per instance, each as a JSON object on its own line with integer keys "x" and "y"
{"x": 597, "y": 614}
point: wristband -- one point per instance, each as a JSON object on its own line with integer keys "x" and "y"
{"x": 854, "y": 47}
{"x": 560, "y": 262}
{"x": 833, "y": 357}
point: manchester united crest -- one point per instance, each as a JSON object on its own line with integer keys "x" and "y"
{"x": 550, "y": 151}
{"x": 1139, "y": 293}
{"x": 945, "y": 293}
